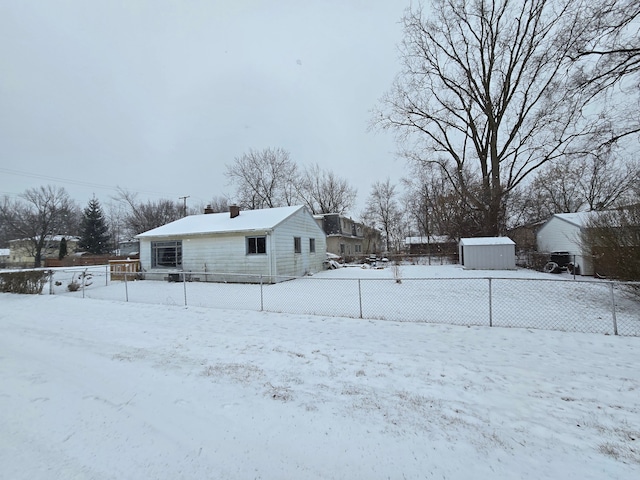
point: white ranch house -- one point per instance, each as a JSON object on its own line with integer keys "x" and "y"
{"x": 268, "y": 245}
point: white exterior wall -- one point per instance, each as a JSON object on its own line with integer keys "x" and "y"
{"x": 488, "y": 257}
{"x": 558, "y": 235}
{"x": 225, "y": 254}
{"x": 288, "y": 263}
{"x": 210, "y": 254}
{"x": 145, "y": 254}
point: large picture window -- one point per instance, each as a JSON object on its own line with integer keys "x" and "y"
{"x": 256, "y": 245}
{"x": 166, "y": 254}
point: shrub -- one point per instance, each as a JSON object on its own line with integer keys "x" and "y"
{"x": 30, "y": 282}
{"x": 84, "y": 280}
{"x": 613, "y": 238}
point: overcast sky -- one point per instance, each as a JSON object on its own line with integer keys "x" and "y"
{"x": 156, "y": 96}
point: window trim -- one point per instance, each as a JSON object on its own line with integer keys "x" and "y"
{"x": 312, "y": 245}
{"x": 158, "y": 246}
{"x": 297, "y": 244}
{"x": 256, "y": 245}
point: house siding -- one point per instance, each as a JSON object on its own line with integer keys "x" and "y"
{"x": 293, "y": 264}
{"x": 558, "y": 235}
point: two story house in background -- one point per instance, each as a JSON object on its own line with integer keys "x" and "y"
{"x": 347, "y": 238}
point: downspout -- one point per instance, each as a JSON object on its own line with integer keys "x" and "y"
{"x": 272, "y": 255}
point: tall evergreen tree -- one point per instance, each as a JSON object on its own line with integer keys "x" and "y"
{"x": 63, "y": 249}
{"x": 94, "y": 237}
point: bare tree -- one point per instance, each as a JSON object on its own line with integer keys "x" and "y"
{"x": 594, "y": 181}
{"x": 219, "y": 204}
{"x": 383, "y": 211}
{"x": 324, "y": 192}
{"x": 264, "y": 179}
{"x": 608, "y": 55}
{"x": 554, "y": 189}
{"x": 39, "y": 214}
{"x": 437, "y": 207}
{"x": 606, "y": 181}
{"x": 484, "y": 91}
{"x": 143, "y": 216}
{"x": 115, "y": 213}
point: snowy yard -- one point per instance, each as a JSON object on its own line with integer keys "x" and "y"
{"x": 97, "y": 388}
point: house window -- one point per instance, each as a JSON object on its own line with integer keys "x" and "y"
{"x": 342, "y": 249}
{"x": 256, "y": 245}
{"x": 166, "y": 254}
{"x": 358, "y": 248}
{"x": 297, "y": 244}
{"x": 312, "y": 245}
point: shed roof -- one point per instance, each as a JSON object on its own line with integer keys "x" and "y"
{"x": 487, "y": 241}
{"x": 578, "y": 219}
{"x": 248, "y": 220}
{"x": 426, "y": 240}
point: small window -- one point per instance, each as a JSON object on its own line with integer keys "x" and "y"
{"x": 297, "y": 244}
{"x": 342, "y": 249}
{"x": 358, "y": 248}
{"x": 312, "y": 245}
{"x": 256, "y": 245}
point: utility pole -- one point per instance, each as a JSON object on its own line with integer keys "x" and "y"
{"x": 184, "y": 204}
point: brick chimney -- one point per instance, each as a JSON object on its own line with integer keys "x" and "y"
{"x": 234, "y": 211}
{"x": 208, "y": 209}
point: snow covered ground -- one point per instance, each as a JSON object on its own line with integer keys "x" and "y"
{"x": 97, "y": 388}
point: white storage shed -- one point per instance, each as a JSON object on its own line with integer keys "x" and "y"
{"x": 487, "y": 253}
{"x": 268, "y": 245}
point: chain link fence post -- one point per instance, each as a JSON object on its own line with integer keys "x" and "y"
{"x": 490, "y": 306}
{"x": 50, "y": 282}
{"x": 613, "y": 310}
{"x": 261, "y": 296}
{"x": 126, "y": 288}
{"x": 184, "y": 286}
{"x": 360, "y": 297}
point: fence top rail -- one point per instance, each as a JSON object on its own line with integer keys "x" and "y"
{"x": 188, "y": 273}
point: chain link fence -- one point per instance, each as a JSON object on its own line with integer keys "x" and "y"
{"x": 589, "y": 306}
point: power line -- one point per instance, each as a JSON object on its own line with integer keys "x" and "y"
{"x": 73, "y": 182}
